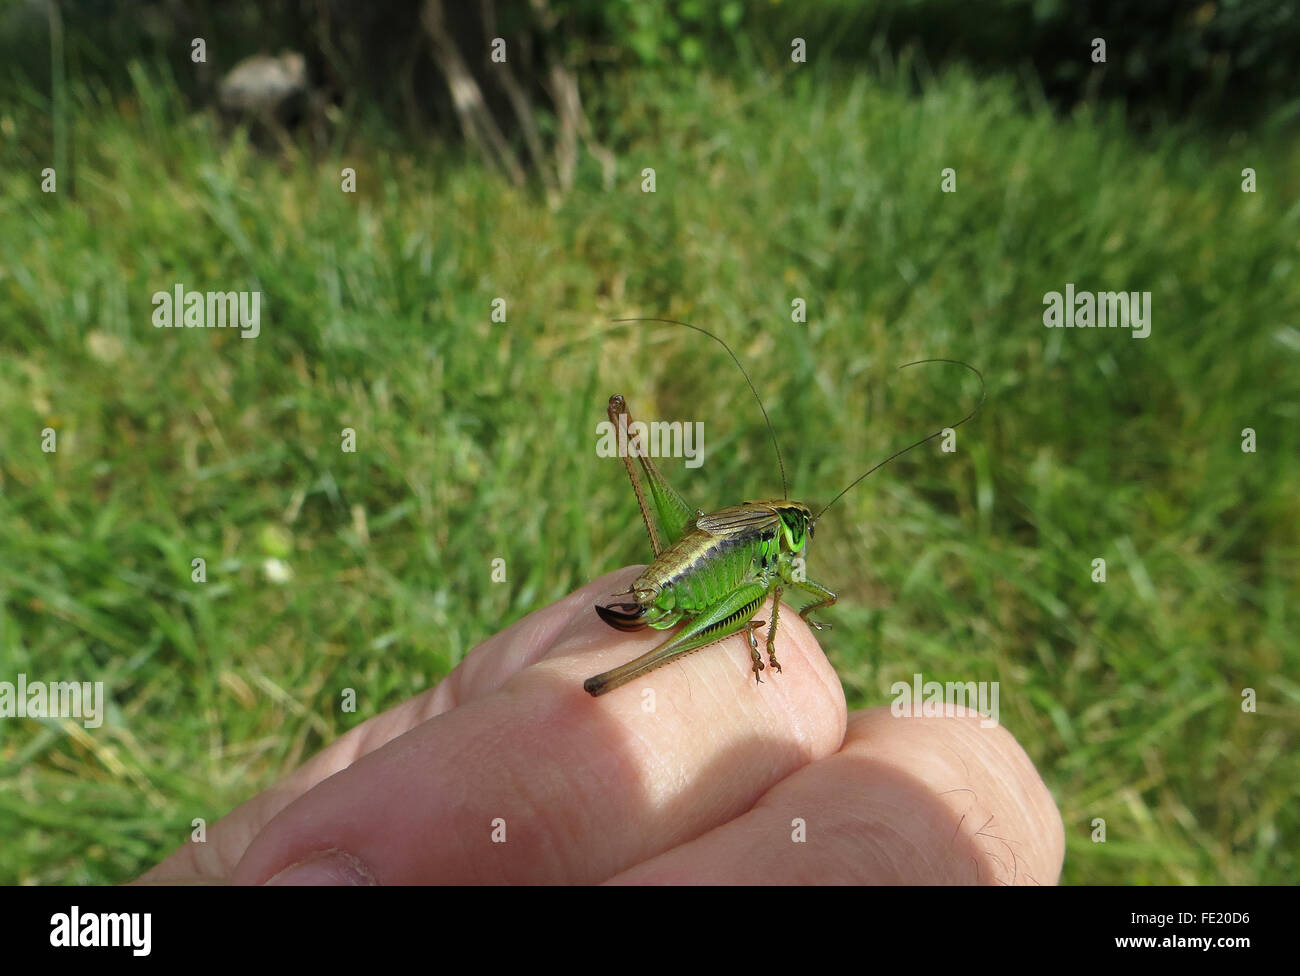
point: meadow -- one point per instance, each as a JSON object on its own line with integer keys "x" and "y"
{"x": 476, "y": 440}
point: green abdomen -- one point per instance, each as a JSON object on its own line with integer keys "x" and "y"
{"x": 699, "y": 569}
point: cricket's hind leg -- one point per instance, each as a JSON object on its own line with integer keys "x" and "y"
{"x": 729, "y": 615}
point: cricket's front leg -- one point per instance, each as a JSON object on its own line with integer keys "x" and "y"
{"x": 825, "y": 598}
{"x": 730, "y": 615}
{"x": 754, "y": 656}
{"x": 771, "y": 631}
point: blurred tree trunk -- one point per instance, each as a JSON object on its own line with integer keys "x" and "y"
{"x": 492, "y": 99}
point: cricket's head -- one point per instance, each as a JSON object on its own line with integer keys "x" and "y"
{"x": 796, "y": 524}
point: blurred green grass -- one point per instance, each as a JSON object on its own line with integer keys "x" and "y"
{"x": 175, "y": 444}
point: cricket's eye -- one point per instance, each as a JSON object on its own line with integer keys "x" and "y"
{"x": 812, "y": 529}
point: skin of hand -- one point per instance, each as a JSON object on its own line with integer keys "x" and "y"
{"x": 508, "y": 772}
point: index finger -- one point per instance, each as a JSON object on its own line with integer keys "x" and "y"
{"x": 538, "y": 782}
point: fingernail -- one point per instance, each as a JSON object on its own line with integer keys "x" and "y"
{"x": 326, "y": 868}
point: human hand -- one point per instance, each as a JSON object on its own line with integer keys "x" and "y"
{"x": 508, "y": 772}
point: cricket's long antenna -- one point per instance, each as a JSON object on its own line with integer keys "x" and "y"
{"x": 785, "y": 488}
{"x": 955, "y": 362}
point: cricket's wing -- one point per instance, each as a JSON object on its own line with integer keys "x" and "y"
{"x": 746, "y": 518}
